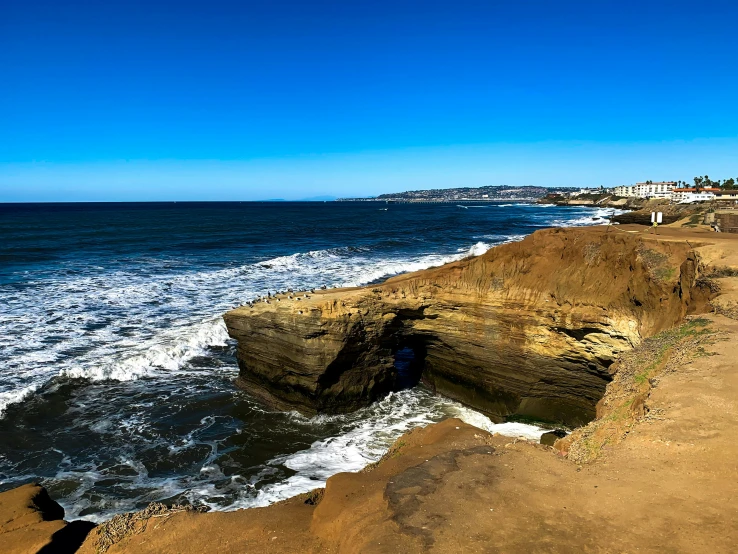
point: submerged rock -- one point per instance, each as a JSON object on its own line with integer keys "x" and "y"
{"x": 528, "y": 328}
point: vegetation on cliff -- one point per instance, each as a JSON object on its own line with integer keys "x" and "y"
{"x": 636, "y": 373}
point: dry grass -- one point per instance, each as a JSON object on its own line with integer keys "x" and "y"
{"x": 694, "y": 220}
{"x": 718, "y": 272}
{"x": 592, "y": 253}
{"x": 657, "y": 264}
{"x": 727, "y": 309}
{"x": 133, "y": 523}
{"x": 626, "y": 400}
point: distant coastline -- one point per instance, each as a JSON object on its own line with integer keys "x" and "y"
{"x": 397, "y": 200}
{"x": 499, "y": 193}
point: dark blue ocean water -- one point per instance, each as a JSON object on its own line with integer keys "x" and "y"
{"x": 115, "y": 368}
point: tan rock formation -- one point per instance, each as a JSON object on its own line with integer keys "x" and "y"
{"x": 529, "y": 328}
{"x": 31, "y": 522}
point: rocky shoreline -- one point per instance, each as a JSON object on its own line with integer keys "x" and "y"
{"x": 636, "y": 210}
{"x": 601, "y": 314}
{"x": 528, "y": 329}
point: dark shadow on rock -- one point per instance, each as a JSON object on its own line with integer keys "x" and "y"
{"x": 69, "y": 539}
{"x": 551, "y": 437}
{"x": 47, "y": 507}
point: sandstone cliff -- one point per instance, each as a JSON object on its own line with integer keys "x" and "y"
{"x": 529, "y": 328}
{"x": 32, "y": 523}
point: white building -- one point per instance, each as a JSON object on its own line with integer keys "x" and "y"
{"x": 687, "y": 196}
{"x": 585, "y": 191}
{"x": 662, "y": 189}
{"x": 730, "y": 195}
{"x": 624, "y": 190}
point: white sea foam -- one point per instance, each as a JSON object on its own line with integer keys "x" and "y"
{"x": 501, "y": 239}
{"x": 151, "y": 320}
{"x": 366, "y": 435}
{"x": 599, "y": 217}
{"x": 478, "y": 249}
{"x": 17, "y": 395}
{"x": 162, "y": 353}
{"x": 374, "y": 430}
{"x": 124, "y": 325}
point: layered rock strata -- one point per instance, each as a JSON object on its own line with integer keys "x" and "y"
{"x": 530, "y": 328}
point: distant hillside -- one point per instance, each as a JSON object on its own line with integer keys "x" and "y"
{"x": 460, "y": 194}
{"x": 322, "y": 198}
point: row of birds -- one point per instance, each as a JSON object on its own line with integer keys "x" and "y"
{"x": 291, "y": 295}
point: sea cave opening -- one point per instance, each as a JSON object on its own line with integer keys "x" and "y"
{"x": 408, "y": 362}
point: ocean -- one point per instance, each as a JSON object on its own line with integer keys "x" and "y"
{"x": 116, "y": 371}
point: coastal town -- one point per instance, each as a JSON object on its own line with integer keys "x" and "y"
{"x": 464, "y": 194}
{"x": 678, "y": 192}
{"x": 703, "y": 189}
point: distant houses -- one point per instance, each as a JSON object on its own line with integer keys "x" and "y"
{"x": 730, "y": 195}
{"x": 649, "y": 189}
{"x": 690, "y": 195}
{"x": 675, "y": 192}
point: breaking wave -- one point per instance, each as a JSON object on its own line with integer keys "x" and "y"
{"x": 143, "y": 358}
{"x": 124, "y": 327}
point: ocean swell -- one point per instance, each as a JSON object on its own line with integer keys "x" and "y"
{"x": 146, "y": 367}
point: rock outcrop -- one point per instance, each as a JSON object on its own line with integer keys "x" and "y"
{"x": 529, "y": 328}
{"x": 31, "y": 522}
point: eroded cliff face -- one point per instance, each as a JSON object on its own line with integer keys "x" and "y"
{"x": 529, "y": 328}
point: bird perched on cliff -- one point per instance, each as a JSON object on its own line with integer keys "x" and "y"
{"x": 269, "y": 294}
{"x": 300, "y": 312}
{"x": 323, "y": 287}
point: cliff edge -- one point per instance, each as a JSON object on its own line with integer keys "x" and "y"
{"x": 528, "y": 329}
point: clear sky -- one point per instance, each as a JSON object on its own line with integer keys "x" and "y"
{"x": 214, "y": 100}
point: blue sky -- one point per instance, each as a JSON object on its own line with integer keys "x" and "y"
{"x": 252, "y": 100}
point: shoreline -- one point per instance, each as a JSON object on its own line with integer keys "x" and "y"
{"x": 622, "y": 229}
{"x": 453, "y": 487}
{"x": 59, "y": 480}
{"x": 337, "y": 346}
